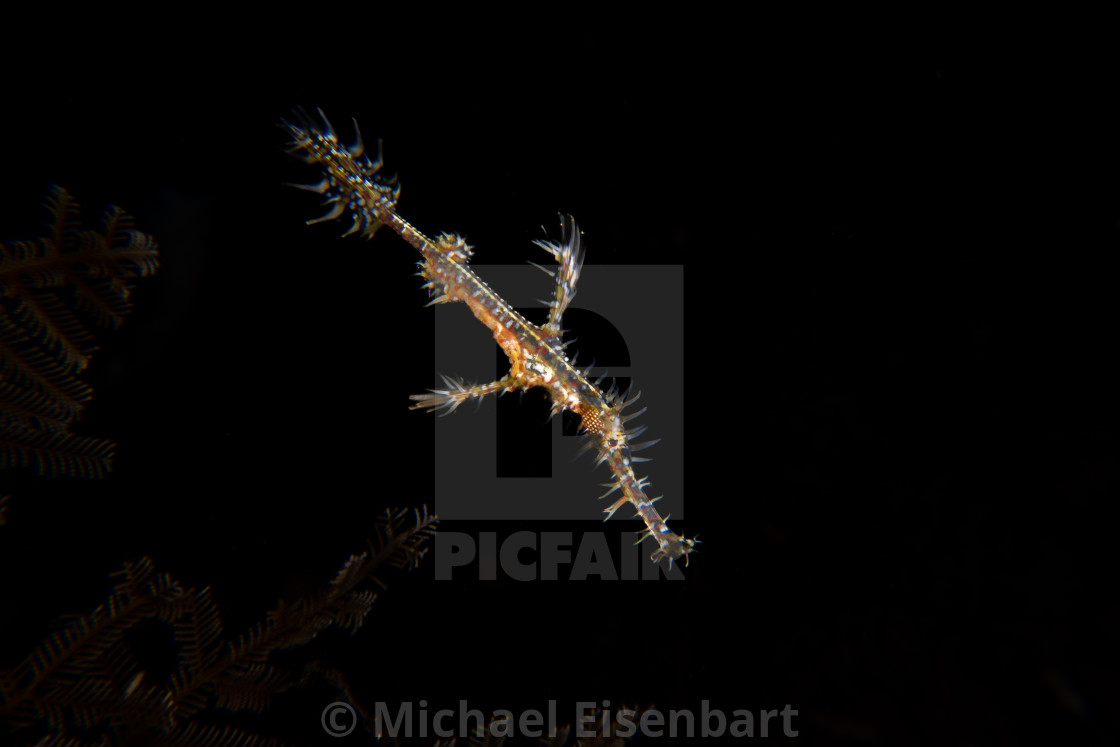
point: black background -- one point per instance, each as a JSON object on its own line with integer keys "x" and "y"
{"x": 900, "y": 399}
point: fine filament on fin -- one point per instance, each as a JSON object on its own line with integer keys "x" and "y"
{"x": 351, "y": 183}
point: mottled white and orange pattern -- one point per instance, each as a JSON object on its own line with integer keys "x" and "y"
{"x": 352, "y": 185}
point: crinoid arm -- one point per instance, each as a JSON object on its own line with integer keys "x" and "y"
{"x": 56, "y": 292}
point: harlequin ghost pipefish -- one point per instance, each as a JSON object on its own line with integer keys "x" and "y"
{"x": 352, "y": 184}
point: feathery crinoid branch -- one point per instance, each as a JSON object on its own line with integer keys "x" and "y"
{"x": 242, "y": 678}
{"x": 83, "y": 674}
{"x": 54, "y": 291}
{"x": 86, "y": 679}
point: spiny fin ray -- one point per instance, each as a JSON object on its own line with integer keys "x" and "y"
{"x": 457, "y": 392}
{"x": 568, "y": 253}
